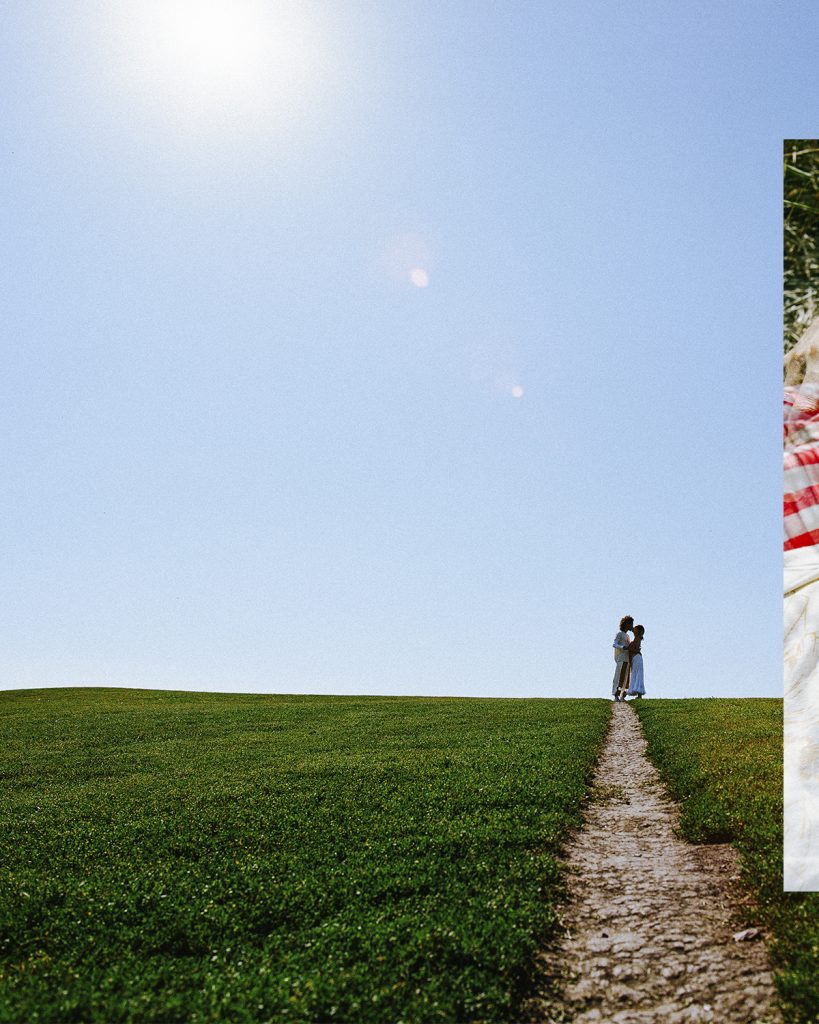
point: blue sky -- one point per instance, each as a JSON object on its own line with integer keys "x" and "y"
{"x": 394, "y": 348}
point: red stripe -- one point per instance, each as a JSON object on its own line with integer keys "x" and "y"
{"x": 806, "y": 457}
{"x": 801, "y": 499}
{"x": 804, "y": 540}
{"x": 801, "y": 417}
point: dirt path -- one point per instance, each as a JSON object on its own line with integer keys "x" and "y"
{"x": 651, "y": 918}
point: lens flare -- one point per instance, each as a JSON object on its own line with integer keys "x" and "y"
{"x": 409, "y": 257}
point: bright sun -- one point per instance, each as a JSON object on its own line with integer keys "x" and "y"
{"x": 210, "y": 40}
{"x": 219, "y": 60}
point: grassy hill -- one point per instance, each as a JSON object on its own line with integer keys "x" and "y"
{"x": 203, "y": 857}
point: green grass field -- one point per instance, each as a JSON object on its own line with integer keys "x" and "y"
{"x": 203, "y": 857}
{"x": 723, "y": 760}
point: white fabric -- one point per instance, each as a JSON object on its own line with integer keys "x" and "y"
{"x": 797, "y": 478}
{"x": 806, "y": 519}
{"x": 636, "y": 684}
{"x": 802, "y": 720}
{"x": 801, "y": 567}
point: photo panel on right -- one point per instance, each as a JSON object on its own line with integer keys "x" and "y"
{"x": 801, "y": 514}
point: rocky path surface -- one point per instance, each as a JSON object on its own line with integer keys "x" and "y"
{"x": 651, "y": 919}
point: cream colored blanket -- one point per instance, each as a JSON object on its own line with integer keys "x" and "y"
{"x": 802, "y": 720}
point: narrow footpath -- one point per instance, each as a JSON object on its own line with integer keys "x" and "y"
{"x": 651, "y": 919}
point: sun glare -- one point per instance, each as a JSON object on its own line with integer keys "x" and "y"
{"x": 209, "y": 40}
{"x": 224, "y": 63}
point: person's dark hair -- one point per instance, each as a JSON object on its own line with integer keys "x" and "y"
{"x": 626, "y": 622}
{"x": 640, "y": 629}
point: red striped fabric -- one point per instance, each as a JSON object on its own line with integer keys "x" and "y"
{"x": 801, "y": 499}
{"x": 801, "y": 509}
{"x": 804, "y": 457}
{"x": 804, "y": 540}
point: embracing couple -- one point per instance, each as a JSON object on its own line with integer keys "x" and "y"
{"x": 628, "y": 661}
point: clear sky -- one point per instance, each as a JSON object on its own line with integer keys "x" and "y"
{"x": 398, "y": 348}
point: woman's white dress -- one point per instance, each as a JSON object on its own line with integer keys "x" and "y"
{"x": 636, "y": 683}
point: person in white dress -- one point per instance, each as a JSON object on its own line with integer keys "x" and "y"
{"x": 621, "y": 660}
{"x": 636, "y": 684}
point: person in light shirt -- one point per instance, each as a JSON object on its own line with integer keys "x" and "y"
{"x": 621, "y": 659}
